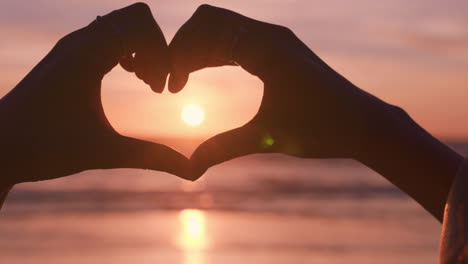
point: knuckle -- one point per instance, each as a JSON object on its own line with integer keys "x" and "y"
{"x": 65, "y": 40}
{"x": 140, "y": 7}
{"x": 285, "y": 30}
{"x": 62, "y": 41}
{"x": 196, "y": 24}
{"x": 205, "y": 9}
{"x": 398, "y": 111}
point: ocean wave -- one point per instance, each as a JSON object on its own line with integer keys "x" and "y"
{"x": 275, "y": 197}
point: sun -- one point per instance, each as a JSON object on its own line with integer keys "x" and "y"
{"x": 192, "y": 115}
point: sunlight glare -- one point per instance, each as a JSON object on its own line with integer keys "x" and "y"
{"x": 192, "y": 237}
{"x": 193, "y": 229}
{"x": 192, "y": 114}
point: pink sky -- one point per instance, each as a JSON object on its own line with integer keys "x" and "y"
{"x": 410, "y": 53}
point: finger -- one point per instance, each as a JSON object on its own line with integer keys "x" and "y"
{"x": 177, "y": 81}
{"x": 154, "y": 74}
{"x": 246, "y": 140}
{"x": 205, "y": 40}
{"x": 133, "y": 29}
{"x": 149, "y": 44}
{"x": 179, "y": 77}
{"x": 127, "y": 152}
{"x": 127, "y": 63}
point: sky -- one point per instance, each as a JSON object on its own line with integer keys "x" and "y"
{"x": 413, "y": 54}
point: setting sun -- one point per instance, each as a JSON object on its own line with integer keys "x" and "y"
{"x": 193, "y": 115}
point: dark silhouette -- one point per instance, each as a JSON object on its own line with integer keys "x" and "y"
{"x": 309, "y": 110}
{"x": 54, "y": 125}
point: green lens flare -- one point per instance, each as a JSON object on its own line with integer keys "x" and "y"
{"x": 267, "y": 141}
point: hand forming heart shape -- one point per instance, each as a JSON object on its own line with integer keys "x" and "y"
{"x": 308, "y": 110}
{"x": 53, "y": 124}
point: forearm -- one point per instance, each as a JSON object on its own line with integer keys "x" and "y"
{"x": 412, "y": 159}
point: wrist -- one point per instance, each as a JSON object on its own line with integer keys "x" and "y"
{"x": 390, "y": 131}
{"x": 383, "y": 125}
{"x": 411, "y": 158}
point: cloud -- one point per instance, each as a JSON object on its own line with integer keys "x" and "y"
{"x": 455, "y": 45}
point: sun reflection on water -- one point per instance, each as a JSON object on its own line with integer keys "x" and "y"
{"x": 192, "y": 237}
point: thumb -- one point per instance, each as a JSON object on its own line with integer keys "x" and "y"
{"x": 246, "y": 140}
{"x": 128, "y": 152}
{"x": 177, "y": 81}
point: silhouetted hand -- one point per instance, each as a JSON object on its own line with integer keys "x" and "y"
{"x": 53, "y": 123}
{"x": 308, "y": 110}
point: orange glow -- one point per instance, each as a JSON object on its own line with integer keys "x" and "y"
{"x": 193, "y": 115}
{"x": 193, "y": 229}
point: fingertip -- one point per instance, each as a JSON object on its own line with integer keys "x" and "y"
{"x": 172, "y": 162}
{"x": 183, "y": 172}
{"x": 158, "y": 76}
{"x": 157, "y": 85}
{"x": 152, "y": 69}
{"x": 157, "y": 82}
{"x": 229, "y": 145}
{"x": 177, "y": 82}
{"x": 203, "y": 158}
{"x": 127, "y": 63}
{"x": 196, "y": 170}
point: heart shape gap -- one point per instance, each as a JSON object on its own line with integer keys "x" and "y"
{"x": 229, "y": 96}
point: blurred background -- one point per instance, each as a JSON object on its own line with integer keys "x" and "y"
{"x": 257, "y": 209}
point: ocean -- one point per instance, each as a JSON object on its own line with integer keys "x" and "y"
{"x": 256, "y": 209}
